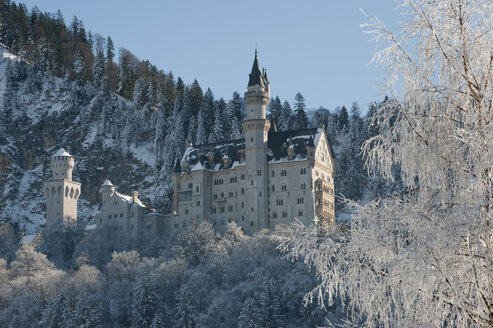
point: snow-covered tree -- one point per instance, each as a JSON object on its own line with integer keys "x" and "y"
{"x": 185, "y": 311}
{"x": 144, "y": 302}
{"x": 423, "y": 257}
{"x": 250, "y": 316}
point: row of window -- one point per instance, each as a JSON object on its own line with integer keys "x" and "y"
{"x": 116, "y": 215}
{"x": 285, "y": 214}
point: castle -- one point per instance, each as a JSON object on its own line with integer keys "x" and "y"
{"x": 267, "y": 178}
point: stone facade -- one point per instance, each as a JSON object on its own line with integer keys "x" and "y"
{"x": 61, "y": 192}
{"x": 127, "y": 216}
{"x": 267, "y": 178}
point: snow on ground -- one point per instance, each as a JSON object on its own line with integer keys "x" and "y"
{"x": 144, "y": 154}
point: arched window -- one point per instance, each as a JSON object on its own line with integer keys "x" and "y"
{"x": 71, "y": 192}
{"x": 66, "y": 191}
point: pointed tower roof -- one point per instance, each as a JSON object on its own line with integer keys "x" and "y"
{"x": 255, "y": 75}
{"x": 61, "y": 152}
{"x": 107, "y": 183}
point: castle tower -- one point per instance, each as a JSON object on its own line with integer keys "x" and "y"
{"x": 256, "y": 128}
{"x": 107, "y": 190}
{"x": 61, "y": 192}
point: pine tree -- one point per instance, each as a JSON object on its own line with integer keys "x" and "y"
{"x": 110, "y": 49}
{"x": 270, "y": 306}
{"x": 285, "y": 118}
{"x": 236, "y": 112}
{"x": 342, "y": 119}
{"x": 157, "y": 322}
{"x": 219, "y": 129}
{"x": 144, "y": 302}
{"x": 53, "y": 313}
{"x": 301, "y": 120}
{"x": 201, "y": 129}
{"x": 275, "y": 109}
{"x": 185, "y": 312}
{"x": 195, "y": 96}
{"x": 250, "y": 315}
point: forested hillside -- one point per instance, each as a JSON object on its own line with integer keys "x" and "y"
{"x": 125, "y": 120}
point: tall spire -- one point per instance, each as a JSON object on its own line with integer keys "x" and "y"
{"x": 255, "y": 75}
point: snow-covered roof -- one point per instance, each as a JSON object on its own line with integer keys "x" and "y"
{"x": 128, "y": 199}
{"x": 197, "y": 167}
{"x": 107, "y": 183}
{"x": 61, "y": 152}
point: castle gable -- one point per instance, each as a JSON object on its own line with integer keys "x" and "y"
{"x": 281, "y": 143}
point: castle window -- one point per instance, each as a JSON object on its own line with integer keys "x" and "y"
{"x": 196, "y": 188}
{"x": 284, "y": 214}
{"x": 252, "y": 209}
{"x": 251, "y": 182}
{"x": 300, "y": 212}
{"x": 148, "y": 227}
{"x": 230, "y": 208}
{"x": 251, "y": 139}
{"x": 233, "y": 180}
{"x": 242, "y": 176}
{"x": 132, "y": 227}
{"x": 284, "y": 173}
{"x": 300, "y": 200}
{"x": 214, "y": 210}
{"x": 280, "y": 202}
{"x": 121, "y": 215}
{"x": 260, "y": 194}
{"x": 251, "y": 223}
{"x": 101, "y": 220}
{"x": 109, "y": 216}
{"x": 121, "y": 228}
{"x": 303, "y": 170}
{"x": 214, "y": 196}
{"x": 273, "y": 173}
{"x": 242, "y": 191}
{"x": 303, "y": 186}
{"x": 222, "y": 195}
{"x": 115, "y": 215}
{"x": 231, "y": 194}
{"x": 176, "y": 225}
{"x": 284, "y": 187}
{"x": 274, "y": 215}
{"x": 115, "y": 203}
{"x": 131, "y": 213}
{"x": 242, "y": 218}
{"x": 273, "y": 188}
{"x": 222, "y": 209}
{"x": 197, "y": 203}
{"x": 259, "y": 172}
{"x": 190, "y": 185}
{"x": 186, "y": 211}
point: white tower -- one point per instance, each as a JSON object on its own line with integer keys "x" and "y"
{"x": 61, "y": 192}
{"x": 256, "y": 127}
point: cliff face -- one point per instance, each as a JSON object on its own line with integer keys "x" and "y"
{"x": 106, "y": 134}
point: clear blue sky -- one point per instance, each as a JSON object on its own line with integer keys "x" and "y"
{"x": 314, "y": 47}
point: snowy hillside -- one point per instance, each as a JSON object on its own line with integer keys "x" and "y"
{"x": 40, "y": 113}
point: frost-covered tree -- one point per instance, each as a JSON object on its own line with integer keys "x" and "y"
{"x": 144, "y": 302}
{"x": 423, "y": 257}
{"x": 250, "y": 316}
{"x": 285, "y": 120}
{"x": 270, "y": 306}
{"x": 185, "y": 311}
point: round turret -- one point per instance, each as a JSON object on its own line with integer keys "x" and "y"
{"x": 62, "y": 164}
{"x": 107, "y": 190}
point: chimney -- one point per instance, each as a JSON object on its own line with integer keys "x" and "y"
{"x": 135, "y": 196}
{"x": 211, "y": 159}
{"x": 226, "y": 161}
